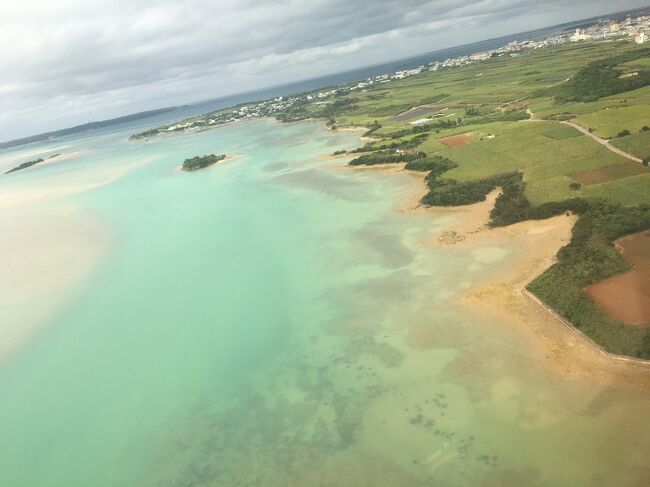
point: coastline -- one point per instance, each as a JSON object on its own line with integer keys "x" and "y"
{"x": 404, "y": 366}
{"x": 504, "y": 292}
{"x": 473, "y": 228}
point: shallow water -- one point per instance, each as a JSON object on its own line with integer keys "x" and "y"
{"x": 275, "y": 321}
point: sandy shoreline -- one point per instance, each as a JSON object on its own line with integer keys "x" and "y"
{"x": 534, "y": 243}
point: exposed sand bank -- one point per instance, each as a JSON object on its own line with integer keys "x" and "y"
{"x": 11, "y": 160}
{"x": 353, "y": 129}
{"x": 17, "y": 194}
{"x": 62, "y": 157}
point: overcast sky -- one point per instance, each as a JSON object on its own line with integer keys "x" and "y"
{"x": 67, "y": 62}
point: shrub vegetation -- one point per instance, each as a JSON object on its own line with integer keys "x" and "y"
{"x": 386, "y": 157}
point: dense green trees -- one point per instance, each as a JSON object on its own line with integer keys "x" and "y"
{"x": 601, "y": 78}
{"x": 589, "y": 258}
{"x": 449, "y": 192}
{"x": 434, "y": 165}
{"x": 411, "y": 143}
{"x": 374, "y": 126}
{"x": 199, "y": 162}
{"x": 25, "y": 165}
{"x": 575, "y": 186}
{"x": 386, "y": 157}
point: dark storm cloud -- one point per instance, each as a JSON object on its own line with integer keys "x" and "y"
{"x": 69, "y": 61}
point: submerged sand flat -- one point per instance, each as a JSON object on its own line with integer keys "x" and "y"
{"x": 48, "y": 247}
{"x": 47, "y": 255}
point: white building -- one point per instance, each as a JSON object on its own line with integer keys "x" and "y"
{"x": 480, "y": 56}
{"x": 580, "y": 35}
{"x": 640, "y": 38}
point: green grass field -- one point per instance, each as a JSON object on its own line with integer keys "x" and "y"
{"x": 628, "y": 191}
{"x": 609, "y": 122}
{"x": 608, "y": 173}
{"x": 560, "y": 132}
{"x": 636, "y": 144}
{"x": 548, "y": 153}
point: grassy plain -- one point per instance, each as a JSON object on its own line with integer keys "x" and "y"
{"x": 547, "y": 153}
{"x": 636, "y": 144}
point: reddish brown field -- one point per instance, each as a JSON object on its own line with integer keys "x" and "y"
{"x": 627, "y": 297}
{"x": 609, "y": 173}
{"x": 457, "y": 140}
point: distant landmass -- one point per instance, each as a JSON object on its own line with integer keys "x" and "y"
{"x": 322, "y": 82}
{"x": 84, "y": 127}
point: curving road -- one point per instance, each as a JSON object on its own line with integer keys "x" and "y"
{"x": 604, "y": 142}
{"x": 601, "y": 141}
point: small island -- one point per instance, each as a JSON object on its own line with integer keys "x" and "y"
{"x": 199, "y": 162}
{"x": 25, "y": 165}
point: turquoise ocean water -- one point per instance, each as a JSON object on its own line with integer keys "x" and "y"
{"x": 275, "y": 321}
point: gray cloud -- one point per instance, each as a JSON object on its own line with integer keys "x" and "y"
{"x": 71, "y": 61}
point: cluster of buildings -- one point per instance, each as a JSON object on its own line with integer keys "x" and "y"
{"x": 245, "y": 112}
{"x": 635, "y": 28}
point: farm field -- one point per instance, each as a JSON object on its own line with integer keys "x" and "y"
{"x": 479, "y": 99}
{"x": 551, "y": 156}
{"x": 633, "y": 190}
{"x": 627, "y": 296}
{"x": 607, "y": 173}
{"x": 607, "y": 117}
{"x": 636, "y": 144}
{"x": 608, "y": 123}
